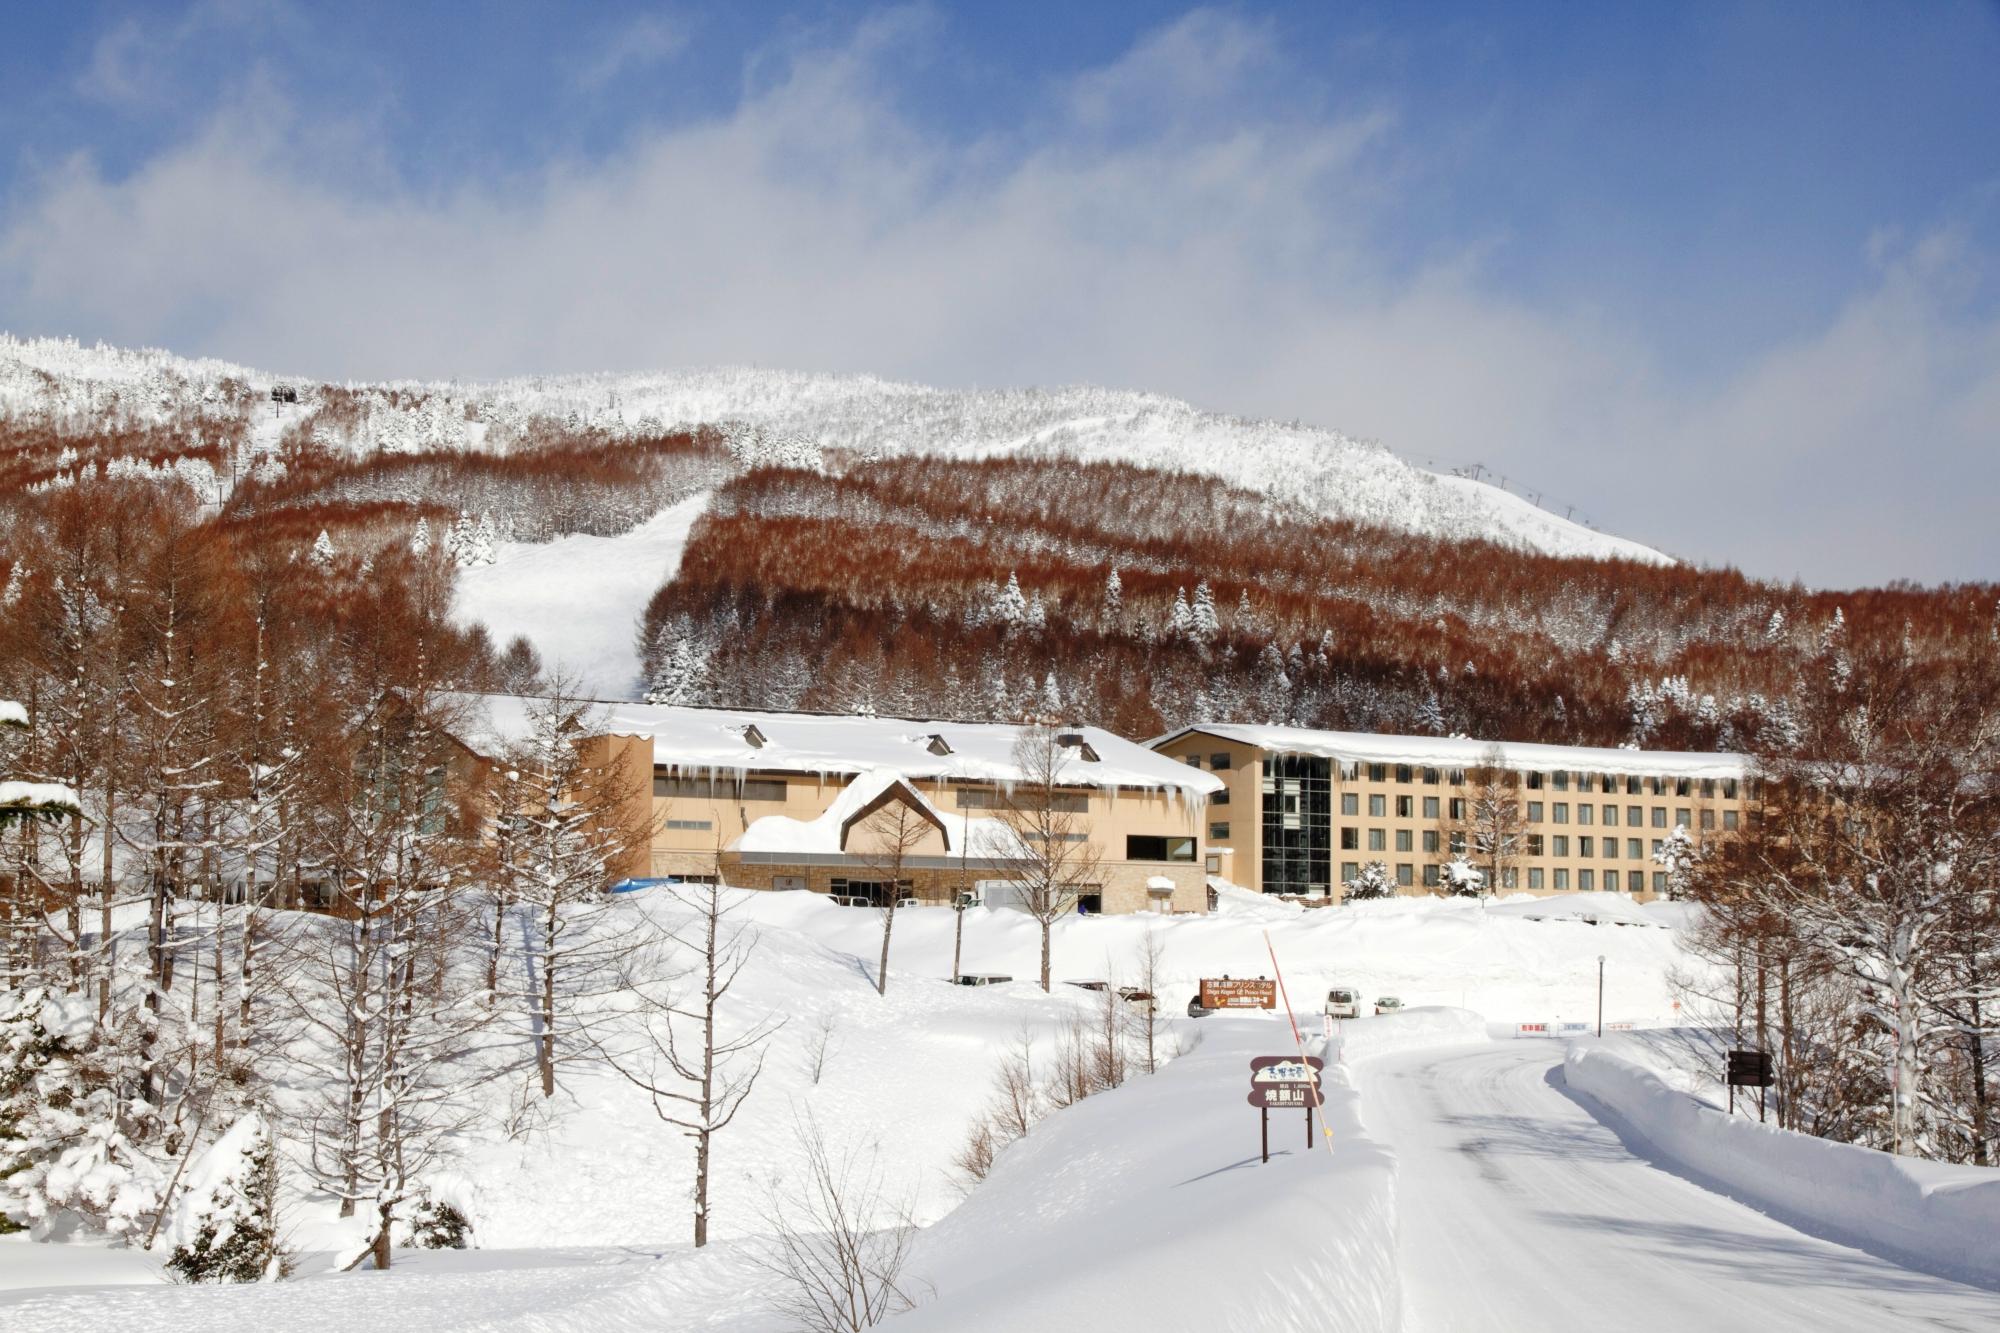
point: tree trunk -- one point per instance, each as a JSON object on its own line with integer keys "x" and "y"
{"x": 957, "y": 942}
{"x": 1045, "y": 955}
{"x": 888, "y": 925}
{"x": 548, "y": 1002}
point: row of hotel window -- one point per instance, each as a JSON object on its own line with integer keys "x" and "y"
{"x": 1557, "y": 813}
{"x": 1607, "y": 783}
{"x": 1510, "y": 878}
{"x": 1534, "y": 843}
{"x": 774, "y": 789}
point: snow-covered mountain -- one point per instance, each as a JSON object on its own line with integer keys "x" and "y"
{"x": 1314, "y": 467}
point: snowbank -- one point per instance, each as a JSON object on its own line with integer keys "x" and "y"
{"x": 1930, "y": 1215}
{"x": 1411, "y": 1030}
{"x": 1148, "y": 1207}
{"x": 1592, "y": 909}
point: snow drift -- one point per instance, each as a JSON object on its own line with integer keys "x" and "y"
{"x": 1931, "y": 1215}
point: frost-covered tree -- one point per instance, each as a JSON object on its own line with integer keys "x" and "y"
{"x": 1462, "y": 879}
{"x": 226, "y": 1222}
{"x": 420, "y": 540}
{"x": 1202, "y": 620}
{"x": 484, "y": 540}
{"x": 1114, "y": 600}
{"x": 1373, "y": 880}
{"x": 1010, "y": 605}
{"x": 1180, "y": 621}
{"x": 680, "y": 672}
{"x": 322, "y": 552}
{"x": 1679, "y": 857}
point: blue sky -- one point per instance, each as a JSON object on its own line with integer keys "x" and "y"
{"x": 1722, "y": 274}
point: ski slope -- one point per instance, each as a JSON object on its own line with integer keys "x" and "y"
{"x": 578, "y": 599}
{"x": 1520, "y": 1210}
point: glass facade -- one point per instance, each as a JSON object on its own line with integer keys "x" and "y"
{"x": 1298, "y": 824}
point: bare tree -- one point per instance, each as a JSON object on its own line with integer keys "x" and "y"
{"x": 1152, "y": 952}
{"x": 574, "y": 833}
{"x": 695, "y": 1062}
{"x": 1048, "y": 814}
{"x": 839, "y": 1269}
{"x": 1485, "y": 826}
{"x": 891, "y": 836}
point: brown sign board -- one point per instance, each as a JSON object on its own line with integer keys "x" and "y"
{"x": 1285, "y": 1081}
{"x": 1238, "y": 993}
{"x": 1750, "y": 1069}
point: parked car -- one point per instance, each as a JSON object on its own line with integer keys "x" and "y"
{"x": 1089, "y": 985}
{"x": 1388, "y": 1004}
{"x": 1142, "y": 1000}
{"x": 1194, "y": 1007}
{"x": 981, "y": 978}
{"x": 1343, "y": 1002}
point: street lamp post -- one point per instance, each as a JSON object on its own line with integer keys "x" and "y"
{"x": 1600, "y": 995}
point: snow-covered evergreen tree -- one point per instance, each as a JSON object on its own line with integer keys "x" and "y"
{"x": 1462, "y": 879}
{"x": 420, "y": 541}
{"x": 226, "y": 1222}
{"x": 1114, "y": 600}
{"x": 322, "y": 552}
{"x": 1010, "y": 605}
{"x": 680, "y": 676}
{"x": 1373, "y": 880}
{"x": 1180, "y": 621}
{"x": 1202, "y": 621}
{"x": 484, "y": 540}
{"x": 1678, "y": 855}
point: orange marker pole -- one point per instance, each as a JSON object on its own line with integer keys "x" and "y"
{"x": 1319, "y": 1098}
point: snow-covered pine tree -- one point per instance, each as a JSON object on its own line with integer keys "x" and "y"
{"x": 1180, "y": 621}
{"x": 1052, "y": 698}
{"x": 1462, "y": 879}
{"x": 1678, "y": 856}
{"x": 1114, "y": 601}
{"x": 226, "y": 1223}
{"x": 458, "y": 543}
{"x": 1010, "y": 605}
{"x": 680, "y": 673}
{"x": 1202, "y": 619}
{"x": 322, "y": 552}
{"x": 484, "y": 540}
{"x": 1373, "y": 880}
{"x": 420, "y": 540}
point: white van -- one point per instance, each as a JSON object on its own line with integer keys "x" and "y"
{"x": 1343, "y": 1002}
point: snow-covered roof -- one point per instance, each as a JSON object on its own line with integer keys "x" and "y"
{"x": 989, "y": 839}
{"x": 1365, "y": 747}
{"x": 12, "y": 714}
{"x": 719, "y": 740}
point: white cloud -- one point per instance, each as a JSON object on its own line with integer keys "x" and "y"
{"x": 1161, "y": 225}
{"x": 647, "y": 41}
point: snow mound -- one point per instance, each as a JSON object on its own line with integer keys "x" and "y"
{"x": 1591, "y": 909}
{"x": 1410, "y": 1030}
{"x": 1934, "y": 1216}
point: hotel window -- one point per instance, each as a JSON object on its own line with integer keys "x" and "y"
{"x": 1708, "y": 788}
{"x": 1350, "y": 870}
{"x": 1378, "y": 807}
{"x": 691, "y": 825}
{"x": 1403, "y": 840}
{"x": 1191, "y": 760}
{"x": 1350, "y": 840}
{"x": 1457, "y": 844}
{"x": 1729, "y": 789}
{"x": 1534, "y": 782}
{"x": 978, "y": 798}
{"x": 1456, "y": 777}
{"x": 1634, "y": 849}
{"x": 1562, "y": 812}
{"x": 1378, "y": 772}
{"x": 1377, "y": 841}
{"x": 1430, "y": 807}
{"x": 1431, "y": 776}
{"x": 1220, "y": 798}
{"x": 1635, "y": 816}
{"x": 1562, "y": 779}
{"x": 1632, "y": 786}
{"x": 1659, "y": 881}
{"x": 1217, "y": 832}
{"x": 1458, "y": 807}
{"x": 1685, "y": 787}
{"x": 1611, "y": 849}
{"x": 1585, "y": 812}
{"x": 1683, "y": 818}
{"x": 1635, "y": 881}
{"x": 1534, "y": 877}
{"x": 1534, "y": 812}
{"x": 1510, "y": 878}
{"x": 1406, "y": 806}
{"x": 1707, "y": 821}
{"x": 708, "y": 789}
{"x": 1430, "y": 839}
{"x": 1148, "y": 848}
{"x": 1659, "y": 816}
{"x": 1611, "y": 816}
{"x": 1403, "y": 773}
{"x": 1350, "y": 803}
{"x": 1534, "y": 844}
{"x": 1586, "y": 846}
{"x": 1562, "y": 878}
{"x": 1406, "y": 874}
{"x": 1586, "y": 880}
{"x": 1729, "y": 821}
{"x": 1562, "y": 844}
{"x": 1430, "y": 877}
{"x": 1349, "y": 771}
{"x": 1657, "y": 844}
{"x": 1218, "y": 761}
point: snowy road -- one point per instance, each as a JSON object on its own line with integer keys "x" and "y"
{"x": 1519, "y": 1210}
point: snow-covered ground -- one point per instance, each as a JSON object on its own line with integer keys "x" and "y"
{"x": 578, "y": 599}
{"x": 1143, "y": 1206}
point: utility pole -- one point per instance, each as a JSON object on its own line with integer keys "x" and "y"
{"x": 1600, "y": 995}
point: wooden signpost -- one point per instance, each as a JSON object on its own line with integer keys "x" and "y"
{"x": 1749, "y": 1069}
{"x": 1286, "y": 1082}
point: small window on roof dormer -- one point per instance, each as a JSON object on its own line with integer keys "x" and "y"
{"x": 937, "y": 744}
{"x": 753, "y": 737}
{"x": 1073, "y": 740}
